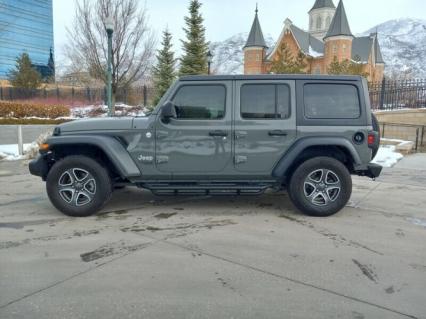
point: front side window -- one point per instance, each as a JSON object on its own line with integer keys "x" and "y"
{"x": 265, "y": 101}
{"x": 202, "y": 102}
{"x": 331, "y": 101}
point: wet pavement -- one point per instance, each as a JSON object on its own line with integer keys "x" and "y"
{"x": 214, "y": 257}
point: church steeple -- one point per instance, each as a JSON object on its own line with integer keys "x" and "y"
{"x": 319, "y": 4}
{"x": 255, "y": 49}
{"x": 255, "y": 38}
{"x": 340, "y": 25}
{"x": 320, "y": 17}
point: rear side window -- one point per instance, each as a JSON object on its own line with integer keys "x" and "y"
{"x": 331, "y": 101}
{"x": 201, "y": 102}
{"x": 265, "y": 101}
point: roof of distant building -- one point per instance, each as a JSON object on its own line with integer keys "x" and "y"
{"x": 255, "y": 38}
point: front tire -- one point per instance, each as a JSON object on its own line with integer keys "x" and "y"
{"x": 320, "y": 187}
{"x": 78, "y": 186}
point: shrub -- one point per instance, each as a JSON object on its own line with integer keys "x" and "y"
{"x": 24, "y": 110}
{"x": 31, "y": 121}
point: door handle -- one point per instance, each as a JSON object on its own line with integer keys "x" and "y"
{"x": 277, "y": 133}
{"x": 218, "y": 134}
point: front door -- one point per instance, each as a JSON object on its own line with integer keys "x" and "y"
{"x": 198, "y": 143}
{"x": 265, "y": 124}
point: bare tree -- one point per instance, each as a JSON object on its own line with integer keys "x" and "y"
{"x": 133, "y": 45}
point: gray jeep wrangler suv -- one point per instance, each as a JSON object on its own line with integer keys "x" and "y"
{"x": 222, "y": 135}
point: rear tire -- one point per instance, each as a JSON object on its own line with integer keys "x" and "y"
{"x": 320, "y": 187}
{"x": 78, "y": 186}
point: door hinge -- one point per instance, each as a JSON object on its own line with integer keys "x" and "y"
{"x": 240, "y": 159}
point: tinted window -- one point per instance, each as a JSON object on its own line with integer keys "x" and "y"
{"x": 200, "y": 102}
{"x": 265, "y": 101}
{"x": 331, "y": 101}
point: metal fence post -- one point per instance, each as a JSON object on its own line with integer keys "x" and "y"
{"x": 145, "y": 98}
{"x": 20, "y": 141}
{"x": 382, "y": 94}
{"x": 417, "y": 138}
{"x": 1, "y": 93}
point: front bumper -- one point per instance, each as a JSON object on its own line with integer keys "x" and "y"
{"x": 39, "y": 166}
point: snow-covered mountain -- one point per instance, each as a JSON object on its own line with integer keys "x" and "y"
{"x": 228, "y": 56}
{"x": 403, "y": 44}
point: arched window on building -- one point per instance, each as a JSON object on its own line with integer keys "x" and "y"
{"x": 319, "y": 23}
{"x": 328, "y": 22}
{"x": 311, "y": 23}
{"x": 335, "y": 49}
{"x": 344, "y": 48}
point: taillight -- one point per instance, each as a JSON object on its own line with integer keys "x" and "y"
{"x": 371, "y": 139}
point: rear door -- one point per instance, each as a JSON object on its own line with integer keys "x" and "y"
{"x": 265, "y": 124}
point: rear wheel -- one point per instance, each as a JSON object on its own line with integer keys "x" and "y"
{"x": 320, "y": 187}
{"x": 78, "y": 186}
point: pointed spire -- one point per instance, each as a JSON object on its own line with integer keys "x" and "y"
{"x": 255, "y": 38}
{"x": 319, "y": 4}
{"x": 339, "y": 25}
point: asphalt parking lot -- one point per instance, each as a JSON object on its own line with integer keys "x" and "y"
{"x": 246, "y": 257}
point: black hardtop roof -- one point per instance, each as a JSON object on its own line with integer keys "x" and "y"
{"x": 271, "y": 77}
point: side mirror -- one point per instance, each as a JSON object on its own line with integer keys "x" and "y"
{"x": 168, "y": 111}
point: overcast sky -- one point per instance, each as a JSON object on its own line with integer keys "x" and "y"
{"x": 224, "y": 18}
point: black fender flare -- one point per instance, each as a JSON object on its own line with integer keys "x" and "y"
{"x": 298, "y": 147}
{"x": 112, "y": 148}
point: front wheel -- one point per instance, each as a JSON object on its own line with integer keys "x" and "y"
{"x": 78, "y": 186}
{"x": 320, "y": 187}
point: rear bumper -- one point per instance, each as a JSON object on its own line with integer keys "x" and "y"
{"x": 39, "y": 166}
{"x": 372, "y": 171}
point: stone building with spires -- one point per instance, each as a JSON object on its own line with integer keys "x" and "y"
{"x": 329, "y": 37}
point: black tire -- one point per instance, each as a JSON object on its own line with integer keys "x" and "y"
{"x": 73, "y": 192}
{"x": 320, "y": 197}
{"x": 376, "y": 128}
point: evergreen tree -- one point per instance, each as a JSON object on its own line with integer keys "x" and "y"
{"x": 356, "y": 67}
{"x": 285, "y": 63}
{"x": 24, "y": 76}
{"x": 195, "y": 47}
{"x": 335, "y": 67}
{"x": 300, "y": 64}
{"x": 347, "y": 67}
{"x": 164, "y": 72}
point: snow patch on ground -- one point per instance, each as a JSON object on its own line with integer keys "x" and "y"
{"x": 387, "y": 156}
{"x": 417, "y": 221}
{"x": 9, "y": 152}
{"x": 121, "y": 109}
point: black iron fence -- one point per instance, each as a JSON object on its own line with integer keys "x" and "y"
{"x": 391, "y": 95}
{"x": 385, "y": 95}
{"x": 78, "y": 95}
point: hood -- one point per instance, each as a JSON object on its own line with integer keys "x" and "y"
{"x": 98, "y": 124}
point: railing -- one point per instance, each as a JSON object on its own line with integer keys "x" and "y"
{"x": 78, "y": 95}
{"x": 393, "y": 95}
